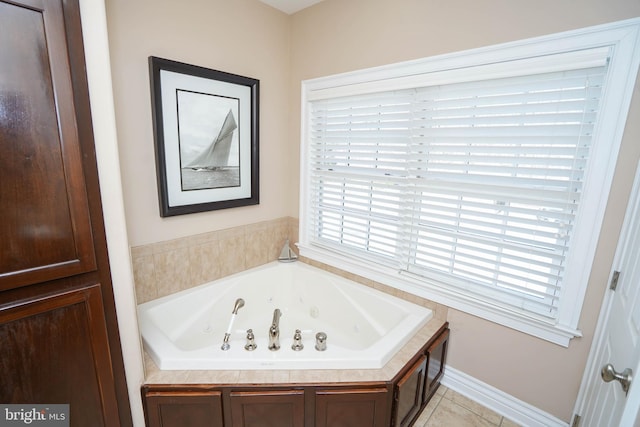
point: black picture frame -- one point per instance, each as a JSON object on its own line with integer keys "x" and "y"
{"x": 206, "y": 135}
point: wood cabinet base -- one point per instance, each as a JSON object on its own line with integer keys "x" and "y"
{"x": 397, "y": 402}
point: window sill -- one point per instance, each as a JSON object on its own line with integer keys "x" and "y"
{"x": 537, "y": 327}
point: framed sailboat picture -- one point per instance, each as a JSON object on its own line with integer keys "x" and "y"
{"x": 205, "y": 126}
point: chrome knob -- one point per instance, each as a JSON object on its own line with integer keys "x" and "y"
{"x": 251, "y": 343}
{"x": 609, "y": 373}
{"x": 321, "y": 341}
{"x": 297, "y": 341}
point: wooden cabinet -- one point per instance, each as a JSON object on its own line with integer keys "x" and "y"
{"x": 397, "y": 402}
{"x": 58, "y": 353}
{"x": 352, "y": 407}
{"x": 59, "y": 336}
{"x": 279, "y": 408}
{"x": 436, "y": 358}
{"x": 184, "y": 408}
{"x": 45, "y": 223}
{"x": 262, "y": 406}
{"x": 216, "y": 406}
{"x": 420, "y": 380}
{"x": 409, "y": 393}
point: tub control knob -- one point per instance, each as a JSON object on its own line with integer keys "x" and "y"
{"x": 321, "y": 341}
{"x": 297, "y": 341}
{"x": 251, "y": 343}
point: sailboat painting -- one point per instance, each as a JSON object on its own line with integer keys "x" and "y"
{"x": 208, "y": 137}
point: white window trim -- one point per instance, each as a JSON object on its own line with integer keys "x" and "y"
{"x": 622, "y": 37}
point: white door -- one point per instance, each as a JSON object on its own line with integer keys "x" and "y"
{"x": 617, "y": 340}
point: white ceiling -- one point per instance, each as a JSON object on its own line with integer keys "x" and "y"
{"x": 290, "y": 6}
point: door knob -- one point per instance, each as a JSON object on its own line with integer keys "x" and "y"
{"x": 608, "y": 373}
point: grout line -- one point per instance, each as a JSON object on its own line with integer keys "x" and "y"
{"x": 451, "y": 394}
{"x": 444, "y": 396}
{"x": 432, "y": 412}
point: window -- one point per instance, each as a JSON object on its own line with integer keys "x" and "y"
{"x": 477, "y": 179}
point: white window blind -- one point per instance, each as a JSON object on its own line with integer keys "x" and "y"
{"x": 359, "y": 156}
{"x": 474, "y": 184}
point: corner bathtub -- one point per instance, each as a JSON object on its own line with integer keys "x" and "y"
{"x": 365, "y": 327}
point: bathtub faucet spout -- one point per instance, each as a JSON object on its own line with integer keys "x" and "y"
{"x": 274, "y": 331}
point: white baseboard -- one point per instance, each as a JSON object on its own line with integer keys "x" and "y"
{"x": 504, "y": 404}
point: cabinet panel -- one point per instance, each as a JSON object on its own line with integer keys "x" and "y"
{"x": 437, "y": 357}
{"x": 409, "y": 393}
{"x": 278, "y": 408}
{"x": 184, "y": 409}
{"x": 44, "y": 220}
{"x": 352, "y": 408}
{"x": 54, "y": 350}
{"x": 59, "y": 340}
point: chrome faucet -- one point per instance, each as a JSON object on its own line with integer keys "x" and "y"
{"x": 274, "y": 331}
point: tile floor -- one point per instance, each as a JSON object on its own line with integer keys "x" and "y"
{"x": 448, "y": 409}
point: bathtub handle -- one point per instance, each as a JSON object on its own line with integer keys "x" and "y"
{"x": 297, "y": 341}
{"x": 251, "y": 343}
{"x": 321, "y": 341}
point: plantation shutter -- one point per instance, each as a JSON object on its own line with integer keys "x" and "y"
{"x": 474, "y": 185}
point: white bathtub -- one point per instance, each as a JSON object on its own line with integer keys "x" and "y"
{"x": 364, "y": 327}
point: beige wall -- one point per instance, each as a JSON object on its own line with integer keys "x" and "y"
{"x": 242, "y": 37}
{"x": 248, "y": 38}
{"x": 342, "y": 35}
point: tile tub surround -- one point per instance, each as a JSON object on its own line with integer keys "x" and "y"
{"x": 163, "y": 268}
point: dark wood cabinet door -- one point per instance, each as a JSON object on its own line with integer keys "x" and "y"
{"x": 44, "y": 219}
{"x": 59, "y": 340}
{"x": 184, "y": 409}
{"x": 278, "y": 408}
{"x": 409, "y": 393}
{"x": 437, "y": 356}
{"x": 54, "y": 350}
{"x": 352, "y": 408}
